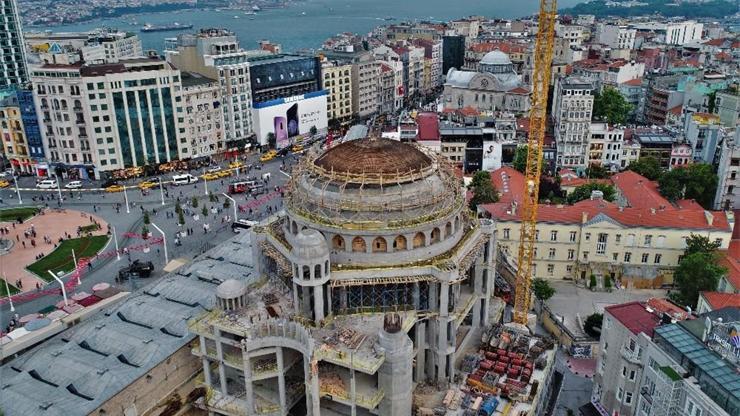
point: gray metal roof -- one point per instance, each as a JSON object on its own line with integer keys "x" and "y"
{"x": 81, "y": 368}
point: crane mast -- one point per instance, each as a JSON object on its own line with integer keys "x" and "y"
{"x": 537, "y": 125}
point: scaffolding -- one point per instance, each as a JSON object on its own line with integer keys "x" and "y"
{"x": 381, "y": 295}
{"x": 374, "y": 200}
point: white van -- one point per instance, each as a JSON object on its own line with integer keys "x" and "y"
{"x": 184, "y": 179}
{"x": 47, "y": 184}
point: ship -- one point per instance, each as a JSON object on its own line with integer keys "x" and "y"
{"x": 165, "y": 28}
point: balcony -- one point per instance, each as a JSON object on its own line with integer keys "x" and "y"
{"x": 631, "y": 356}
{"x": 645, "y": 393}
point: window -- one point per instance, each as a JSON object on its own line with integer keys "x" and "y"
{"x": 632, "y": 375}
{"x": 628, "y": 398}
{"x": 550, "y": 269}
{"x": 615, "y": 256}
{"x": 645, "y": 257}
{"x": 627, "y": 257}
{"x": 588, "y": 236}
{"x": 551, "y": 254}
{"x": 632, "y": 344}
{"x": 585, "y": 255}
{"x": 620, "y": 393}
{"x": 645, "y": 408}
{"x": 660, "y": 242}
{"x": 537, "y": 235}
{"x": 571, "y": 254}
{"x": 630, "y": 240}
{"x": 657, "y": 258}
{"x": 624, "y": 371}
{"x": 648, "y": 240}
{"x": 506, "y": 233}
{"x": 618, "y": 238}
{"x": 572, "y": 236}
{"x": 601, "y": 243}
{"x": 692, "y": 409}
{"x": 553, "y": 236}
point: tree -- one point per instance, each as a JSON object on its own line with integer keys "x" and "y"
{"x": 696, "y": 243}
{"x": 147, "y": 221}
{"x": 592, "y": 281}
{"x": 520, "y": 159}
{"x": 542, "y": 289}
{"x": 648, "y": 167}
{"x": 194, "y": 202}
{"x": 584, "y": 192}
{"x": 592, "y": 324}
{"x": 696, "y": 272}
{"x": 271, "y": 140}
{"x": 595, "y": 171}
{"x": 483, "y": 190}
{"x": 697, "y": 181}
{"x": 712, "y": 101}
{"x": 610, "y": 105}
{"x": 607, "y": 282}
{"x": 144, "y": 232}
{"x": 550, "y": 189}
{"x": 180, "y": 217}
{"x": 227, "y": 203}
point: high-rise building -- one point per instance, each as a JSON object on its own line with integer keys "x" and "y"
{"x": 572, "y": 105}
{"x": 21, "y": 139}
{"x": 365, "y": 74}
{"x": 204, "y": 117}
{"x": 337, "y": 80}
{"x": 12, "y": 50}
{"x": 216, "y": 53}
{"x": 728, "y": 172}
{"x": 453, "y": 53}
{"x": 703, "y": 133}
{"x": 618, "y": 37}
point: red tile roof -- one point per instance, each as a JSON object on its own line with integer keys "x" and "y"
{"x": 575, "y": 182}
{"x": 665, "y": 306}
{"x": 719, "y": 300}
{"x": 715, "y": 42}
{"x": 676, "y": 110}
{"x": 519, "y": 90}
{"x": 469, "y": 111}
{"x": 639, "y": 191}
{"x": 634, "y": 317}
{"x": 509, "y": 183}
{"x": 731, "y": 261}
{"x": 634, "y": 82}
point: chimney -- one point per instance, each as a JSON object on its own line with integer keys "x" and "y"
{"x": 584, "y": 217}
{"x": 596, "y": 194}
{"x": 513, "y": 207}
{"x": 710, "y": 218}
{"x": 652, "y": 211}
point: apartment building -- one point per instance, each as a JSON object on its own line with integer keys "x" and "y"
{"x": 390, "y": 91}
{"x": 12, "y": 51}
{"x": 216, "y": 53}
{"x": 572, "y": 107}
{"x": 656, "y": 143}
{"x": 19, "y": 129}
{"x": 727, "y": 107}
{"x": 575, "y": 34}
{"x": 636, "y": 240}
{"x": 98, "y": 46}
{"x": 728, "y": 172}
{"x": 337, "y": 81}
{"x": 365, "y": 80}
{"x": 203, "y": 119}
{"x": 703, "y": 133}
{"x": 605, "y": 146}
{"x": 672, "y": 33}
{"x": 616, "y": 36}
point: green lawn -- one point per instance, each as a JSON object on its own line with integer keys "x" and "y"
{"x": 61, "y": 258}
{"x": 12, "y": 214}
{"x": 4, "y": 293}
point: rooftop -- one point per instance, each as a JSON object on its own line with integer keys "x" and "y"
{"x": 639, "y": 191}
{"x": 719, "y": 300}
{"x": 81, "y": 368}
{"x": 373, "y": 155}
{"x": 635, "y": 317}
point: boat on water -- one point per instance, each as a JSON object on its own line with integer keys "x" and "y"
{"x": 256, "y": 8}
{"x": 389, "y": 18}
{"x": 165, "y": 28}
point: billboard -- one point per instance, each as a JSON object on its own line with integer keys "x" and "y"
{"x": 290, "y": 118}
{"x": 491, "y": 156}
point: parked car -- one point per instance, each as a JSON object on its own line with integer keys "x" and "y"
{"x": 73, "y": 185}
{"x": 114, "y": 188}
{"x": 47, "y": 184}
{"x": 242, "y": 224}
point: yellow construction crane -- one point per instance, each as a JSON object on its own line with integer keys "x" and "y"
{"x": 537, "y": 124}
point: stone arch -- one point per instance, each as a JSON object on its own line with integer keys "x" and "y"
{"x": 317, "y": 272}
{"x": 399, "y": 244}
{"x": 420, "y": 240}
{"x": 380, "y": 245}
{"x": 294, "y": 228}
{"x": 436, "y": 235}
{"x": 448, "y": 229}
{"x": 337, "y": 242}
{"x": 326, "y": 267}
{"x": 358, "y": 245}
{"x": 457, "y": 224}
{"x": 306, "y": 273}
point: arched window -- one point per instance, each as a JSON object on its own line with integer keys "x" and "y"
{"x": 420, "y": 240}
{"x": 448, "y": 229}
{"x": 326, "y": 267}
{"x": 317, "y": 272}
{"x": 379, "y": 245}
{"x": 435, "y": 235}
{"x": 457, "y": 224}
{"x": 294, "y": 228}
{"x": 358, "y": 245}
{"x": 399, "y": 244}
{"x": 337, "y": 242}
{"x": 306, "y": 273}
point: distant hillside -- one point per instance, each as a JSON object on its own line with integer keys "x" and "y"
{"x": 667, "y": 8}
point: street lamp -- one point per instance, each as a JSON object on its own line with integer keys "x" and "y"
{"x": 115, "y": 239}
{"x": 74, "y": 259}
{"x": 205, "y": 184}
{"x": 161, "y": 190}
{"x": 7, "y": 290}
{"x": 125, "y": 198}
{"x": 59, "y": 188}
{"x": 64, "y": 291}
{"x": 164, "y": 243}
{"x": 233, "y": 203}
{"x": 18, "y": 191}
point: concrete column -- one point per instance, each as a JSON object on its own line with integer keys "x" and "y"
{"x": 306, "y": 303}
{"x": 328, "y": 299}
{"x": 395, "y": 375}
{"x": 318, "y": 303}
{"x": 249, "y": 397}
{"x": 315, "y": 394}
{"x": 220, "y": 357}
{"x": 207, "y": 371}
{"x": 416, "y": 295}
{"x": 420, "y": 350}
{"x": 282, "y": 394}
{"x": 296, "y": 306}
{"x": 476, "y": 312}
{"x": 444, "y": 298}
{"x": 307, "y": 377}
{"x": 353, "y": 386}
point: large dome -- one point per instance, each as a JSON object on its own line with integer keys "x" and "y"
{"x": 373, "y": 156}
{"x": 495, "y": 57}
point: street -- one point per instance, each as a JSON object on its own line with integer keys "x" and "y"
{"x": 112, "y": 208}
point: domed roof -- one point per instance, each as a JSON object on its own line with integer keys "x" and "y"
{"x": 231, "y": 289}
{"x": 310, "y": 244}
{"x": 373, "y": 156}
{"x": 495, "y": 57}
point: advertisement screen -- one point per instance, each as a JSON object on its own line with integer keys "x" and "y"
{"x": 289, "y": 118}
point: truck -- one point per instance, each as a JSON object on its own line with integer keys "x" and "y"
{"x": 136, "y": 269}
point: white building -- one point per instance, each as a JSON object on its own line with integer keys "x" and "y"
{"x": 97, "y": 46}
{"x": 618, "y": 37}
{"x": 673, "y": 33}
{"x": 365, "y": 83}
{"x": 203, "y": 121}
{"x": 573, "y": 103}
{"x": 575, "y": 34}
{"x": 728, "y": 171}
{"x": 605, "y": 146}
{"x": 390, "y": 91}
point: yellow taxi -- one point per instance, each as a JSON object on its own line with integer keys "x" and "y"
{"x": 268, "y": 156}
{"x": 114, "y": 188}
{"x": 236, "y": 164}
{"x": 297, "y": 148}
{"x": 210, "y": 176}
{"x": 148, "y": 184}
{"x": 223, "y": 173}
{"x": 4, "y": 183}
